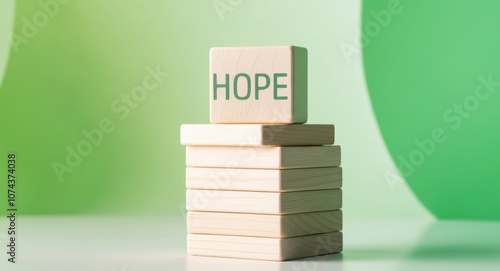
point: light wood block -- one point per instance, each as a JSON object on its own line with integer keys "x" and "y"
{"x": 258, "y": 84}
{"x": 263, "y": 157}
{"x": 261, "y": 248}
{"x": 259, "y": 225}
{"x": 257, "y": 134}
{"x": 266, "y": 180}
{"x": 263, "y": 202}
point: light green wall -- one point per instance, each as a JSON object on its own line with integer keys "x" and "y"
{"x": 67, "y": 77}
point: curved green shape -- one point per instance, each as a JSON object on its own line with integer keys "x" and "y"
{"x": 433, "y": 74}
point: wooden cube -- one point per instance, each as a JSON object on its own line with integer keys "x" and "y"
{"x": 258, "y": 84}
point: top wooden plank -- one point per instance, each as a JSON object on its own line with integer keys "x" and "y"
{"x": 257, "y": 134}
{"x": 258, "y": 84}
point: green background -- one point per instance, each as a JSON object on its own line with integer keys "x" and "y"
{"x": 429, "y": 58}
{"x": 64, "y": 79}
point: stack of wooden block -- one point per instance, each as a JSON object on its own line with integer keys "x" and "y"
{"x": 261, "y": 184}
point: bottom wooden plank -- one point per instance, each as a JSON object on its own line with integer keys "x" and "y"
{"x": 261, "y": 248}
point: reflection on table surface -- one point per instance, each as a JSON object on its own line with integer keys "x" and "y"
{"x": 152, "y": 243}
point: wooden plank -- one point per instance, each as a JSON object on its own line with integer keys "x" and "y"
{"x": 257, "y": 134}
{"x": 261, "y": 248}
{"x": 263, "y": 225}
{"x": 258, "y": 84}
{"x": 266, "y": 180}
{"x": 263, "y": 202}
{"x": 263, "y": 157}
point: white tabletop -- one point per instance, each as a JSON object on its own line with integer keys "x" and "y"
{"x": 158, "y": 243}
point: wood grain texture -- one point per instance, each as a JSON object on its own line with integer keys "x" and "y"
{"x": 261, "y": 225}
{"x": 268, "y": 61}
{"x": 257, "y": 134}
{"x": 266, "y": 180}
{"x": 260, "y": 248}
{"x": 263, "y": 157}
{"x": 263, "y": 202}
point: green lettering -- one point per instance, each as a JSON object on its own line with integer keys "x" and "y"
{"x": 216, "y": 86}
{"x": 276, "y": 86}
{"x": 257, "y": 87}
{"x": 236, "y": 86}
